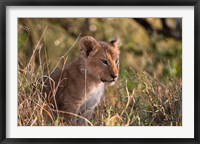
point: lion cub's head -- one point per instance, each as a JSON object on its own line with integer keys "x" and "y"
{"x": 101, "y": 58}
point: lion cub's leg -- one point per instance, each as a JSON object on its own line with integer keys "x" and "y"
{"x": 71, "y": 111}
{"x": 86, "y": 111}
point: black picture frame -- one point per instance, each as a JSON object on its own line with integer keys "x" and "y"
{"x": 5, "y": 3}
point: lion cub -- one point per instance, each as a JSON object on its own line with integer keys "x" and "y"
{"x": 78, "y": 87}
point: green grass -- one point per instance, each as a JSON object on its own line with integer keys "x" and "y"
{"x": 144, "y": 101}
{"x": 137, "y": 99}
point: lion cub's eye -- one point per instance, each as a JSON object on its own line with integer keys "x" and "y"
{"x": 105, "y": 62}
{"x": 117, "y": 62}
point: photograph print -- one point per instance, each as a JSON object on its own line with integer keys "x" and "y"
{"x": 99, "y": 72}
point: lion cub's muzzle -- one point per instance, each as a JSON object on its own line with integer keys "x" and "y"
{"x": 114, "y": 76}
{"x": 113, "y": 79}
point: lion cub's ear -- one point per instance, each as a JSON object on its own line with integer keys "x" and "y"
{"x": 88, "y": 46}
{"x": 115, "y": 42}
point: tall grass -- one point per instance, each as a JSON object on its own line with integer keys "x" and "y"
{"x": 143, "y": 101}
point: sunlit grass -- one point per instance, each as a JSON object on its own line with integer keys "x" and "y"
{"x": 137, "y": 99}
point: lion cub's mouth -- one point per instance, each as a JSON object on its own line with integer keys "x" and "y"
{"x": 108, "y": 81}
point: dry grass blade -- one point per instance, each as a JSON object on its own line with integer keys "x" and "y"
{"x": 76, "y": 115}
{"x": 34, "y": 121}
{"x": 130, "y": 99}
{"x": 37, "y": 47}
{"x": 48, "y": 113}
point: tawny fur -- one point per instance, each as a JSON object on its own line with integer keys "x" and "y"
{"x": 81, "y": 84}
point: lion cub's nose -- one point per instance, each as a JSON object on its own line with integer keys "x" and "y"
{"x": 114, "y": 76}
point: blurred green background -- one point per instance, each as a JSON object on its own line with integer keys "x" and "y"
{"x": 154, "y": 53}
